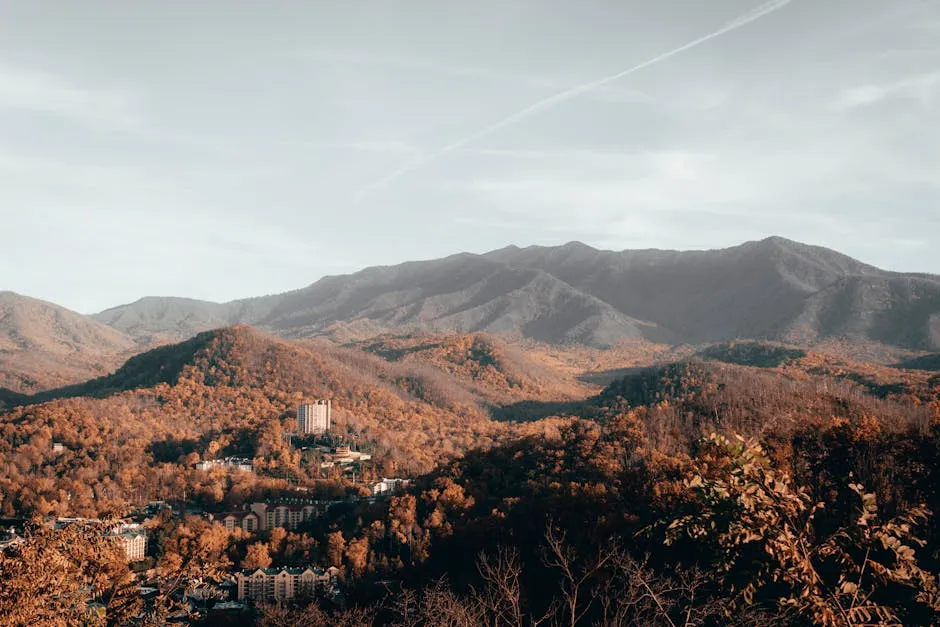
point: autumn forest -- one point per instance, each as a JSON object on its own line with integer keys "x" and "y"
{"x": 739, "y": 483}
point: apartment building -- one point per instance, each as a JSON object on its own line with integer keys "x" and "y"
{"x": 287, "y": 515}
{"x": 248, "y": 521}
{"x": 133, "y": 539}
{"x": 314, "y": 417}
{"x": 131, "y": 536}
{"x": 283, "y": 584}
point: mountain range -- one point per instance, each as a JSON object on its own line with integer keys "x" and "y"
{"x": 770, "y": 289}
{"x": 773, "y": 289}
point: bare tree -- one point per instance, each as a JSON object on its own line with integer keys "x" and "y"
{"x": 576, "y": 573}
{"x": 313, "y": 616}
{"x": 500, "y": 597}
{"x": 633, "y": 594}
{"x": 440, "y": 607}
{"x": 436, "y": 605}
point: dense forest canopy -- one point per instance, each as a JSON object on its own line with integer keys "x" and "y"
{"x": 567, "y": 487}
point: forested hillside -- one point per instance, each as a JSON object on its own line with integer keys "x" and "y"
{"x": 137, "y": 432}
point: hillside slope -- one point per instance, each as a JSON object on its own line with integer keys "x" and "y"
{"x": 43, "y": 345}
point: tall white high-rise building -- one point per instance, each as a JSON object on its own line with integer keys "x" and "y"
{"x": 314, "y": 417}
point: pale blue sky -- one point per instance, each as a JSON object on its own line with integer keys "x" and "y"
{"x": 225, "y": 149}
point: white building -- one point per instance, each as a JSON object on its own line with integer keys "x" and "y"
{"x": 314, "y": 417}
{"x": 389, "y": 486}
{"x": 283, "y": 584}
{"x": 239, "y": 463}
{"x": 133, "y": 538}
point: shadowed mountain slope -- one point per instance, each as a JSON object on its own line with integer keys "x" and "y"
{"x": 771, "y": 289}
{"x": 164, "y": 364}
{"x": 926, "y": 362}
{"x": 11, "y": 399}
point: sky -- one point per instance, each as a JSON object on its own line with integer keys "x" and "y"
{"x": 220, "y": 150}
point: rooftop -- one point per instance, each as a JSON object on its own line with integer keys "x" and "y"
{"x": 291, "y": 570}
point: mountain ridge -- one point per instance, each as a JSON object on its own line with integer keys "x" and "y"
{"x": 773, "y": 288}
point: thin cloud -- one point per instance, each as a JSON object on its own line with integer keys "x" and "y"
{"x": 578, "y": 185}
{"x": 102, "y": 184}
{"x": 42, "y": 92}
{"x": 585, "y": 160}
{"x": 909, "y": 52}
{"x": 922, "y": 88}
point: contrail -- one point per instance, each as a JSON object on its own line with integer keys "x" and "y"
{"x": 742, "y": 20}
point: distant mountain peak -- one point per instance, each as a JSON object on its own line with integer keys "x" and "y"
{"x": 780, "y": 240}
{"x": 577, "y": 245}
